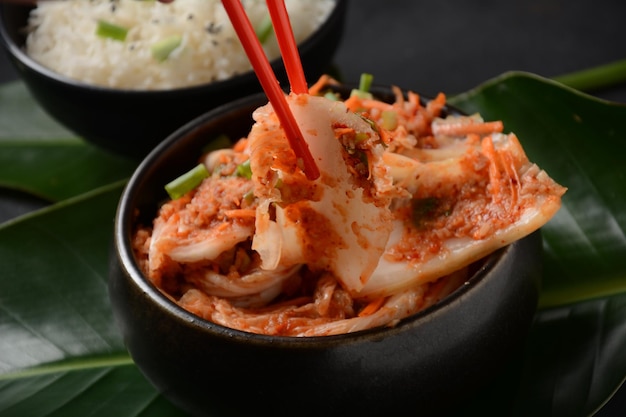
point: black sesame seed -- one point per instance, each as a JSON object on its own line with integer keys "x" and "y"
{"x": 213, "y": 29}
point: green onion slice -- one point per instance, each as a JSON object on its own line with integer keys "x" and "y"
{"x": 162, "y": 49}
{"x": 219, "y": 142}
{"x": 365, "y": 83}
{"x": 186, "y": 182}
{"x": 360, "y": 137}
{"x": 110, "y": 30}
{"x": 249, "y": 197}
{"x": 363, "y": 92}
{"x": 243, "y": 170}
{"x": 389, "y": 119}
{"x": 265, "y": 29}
{"x": 332, "y": 96}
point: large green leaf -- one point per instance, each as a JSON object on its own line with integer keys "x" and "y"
{"x": 21, "y": 118}
{"x": 54, "y": 298}
{"x": 43, "y": 158}
{"x": 117, "y": 390}
{"x": 574, "y": 360}
{"x": 60, "y": 353}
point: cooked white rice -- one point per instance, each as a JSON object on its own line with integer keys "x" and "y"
{"x": 62, "y": 36}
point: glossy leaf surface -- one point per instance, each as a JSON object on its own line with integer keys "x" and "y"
{"x": 41, "y": 157}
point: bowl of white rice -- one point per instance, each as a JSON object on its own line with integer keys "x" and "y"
{"x": 124, "y": 74}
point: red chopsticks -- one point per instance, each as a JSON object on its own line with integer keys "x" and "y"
{"x": 288, "y": 46}
{"x": 270, "y": 84}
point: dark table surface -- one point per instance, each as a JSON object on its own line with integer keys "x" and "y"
{"x": 452, "y": 46}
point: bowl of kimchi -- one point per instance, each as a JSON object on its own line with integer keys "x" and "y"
{"x": 397, "y": 283}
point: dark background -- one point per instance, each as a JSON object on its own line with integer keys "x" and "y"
{"x": 452, "y": 46}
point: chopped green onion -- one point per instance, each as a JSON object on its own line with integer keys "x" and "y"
{"x": 186, "y": 182}
{"x": 332, "y": 96}
{"x": 390, "y": 119}
{"x": 249, "y": 197}
{"x": 219, "y": 142}
{"x": 363, "y": 95}
{"x": 365, "y": 82}
{"x": 243, "y": 170}
{"x": 361, "y": 136}
{"x": 110, "y": 30}
{"x": 265, "y": 29}
{"x": 162, "y": 49}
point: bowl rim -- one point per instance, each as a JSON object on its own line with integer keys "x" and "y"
{"x": 124, "y": 219}
{"x": 18, "y": 52}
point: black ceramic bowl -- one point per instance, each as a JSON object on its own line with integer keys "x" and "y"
{"x": 132, "y": 122}
{"x": 427, "y": 363}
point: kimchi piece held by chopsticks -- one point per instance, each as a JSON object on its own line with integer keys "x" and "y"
{"x": 341, "y": 222}
{"x": 391, "y": 226}
{"x": 267, "y": 78}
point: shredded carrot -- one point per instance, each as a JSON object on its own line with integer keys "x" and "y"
{"x": 222, "y": 226}
{"x": 352, "y": 170}
{"x": 342, "y": 131}
{"x": 240, "y": 145}
{"x": 372, "y": 307}
{"x": 370, "y": 166}
{"x": 462, "y": 129}
{"x": 435, "y": 105}
{"x": 385, "y": 136}
{"x": 377, "y": 104}
{"x": 397, "y": 92}
{"x": 514, "y": 180}
{"x": 354, "y": 103}
{"x": 322, "y": 82}
{"x": 223, "y": 159}
{"x": 240, "y": 213}
{"x": 494, "y": 174}
{"x": 414, "y": 100}
{"x": 473, "y": 139}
